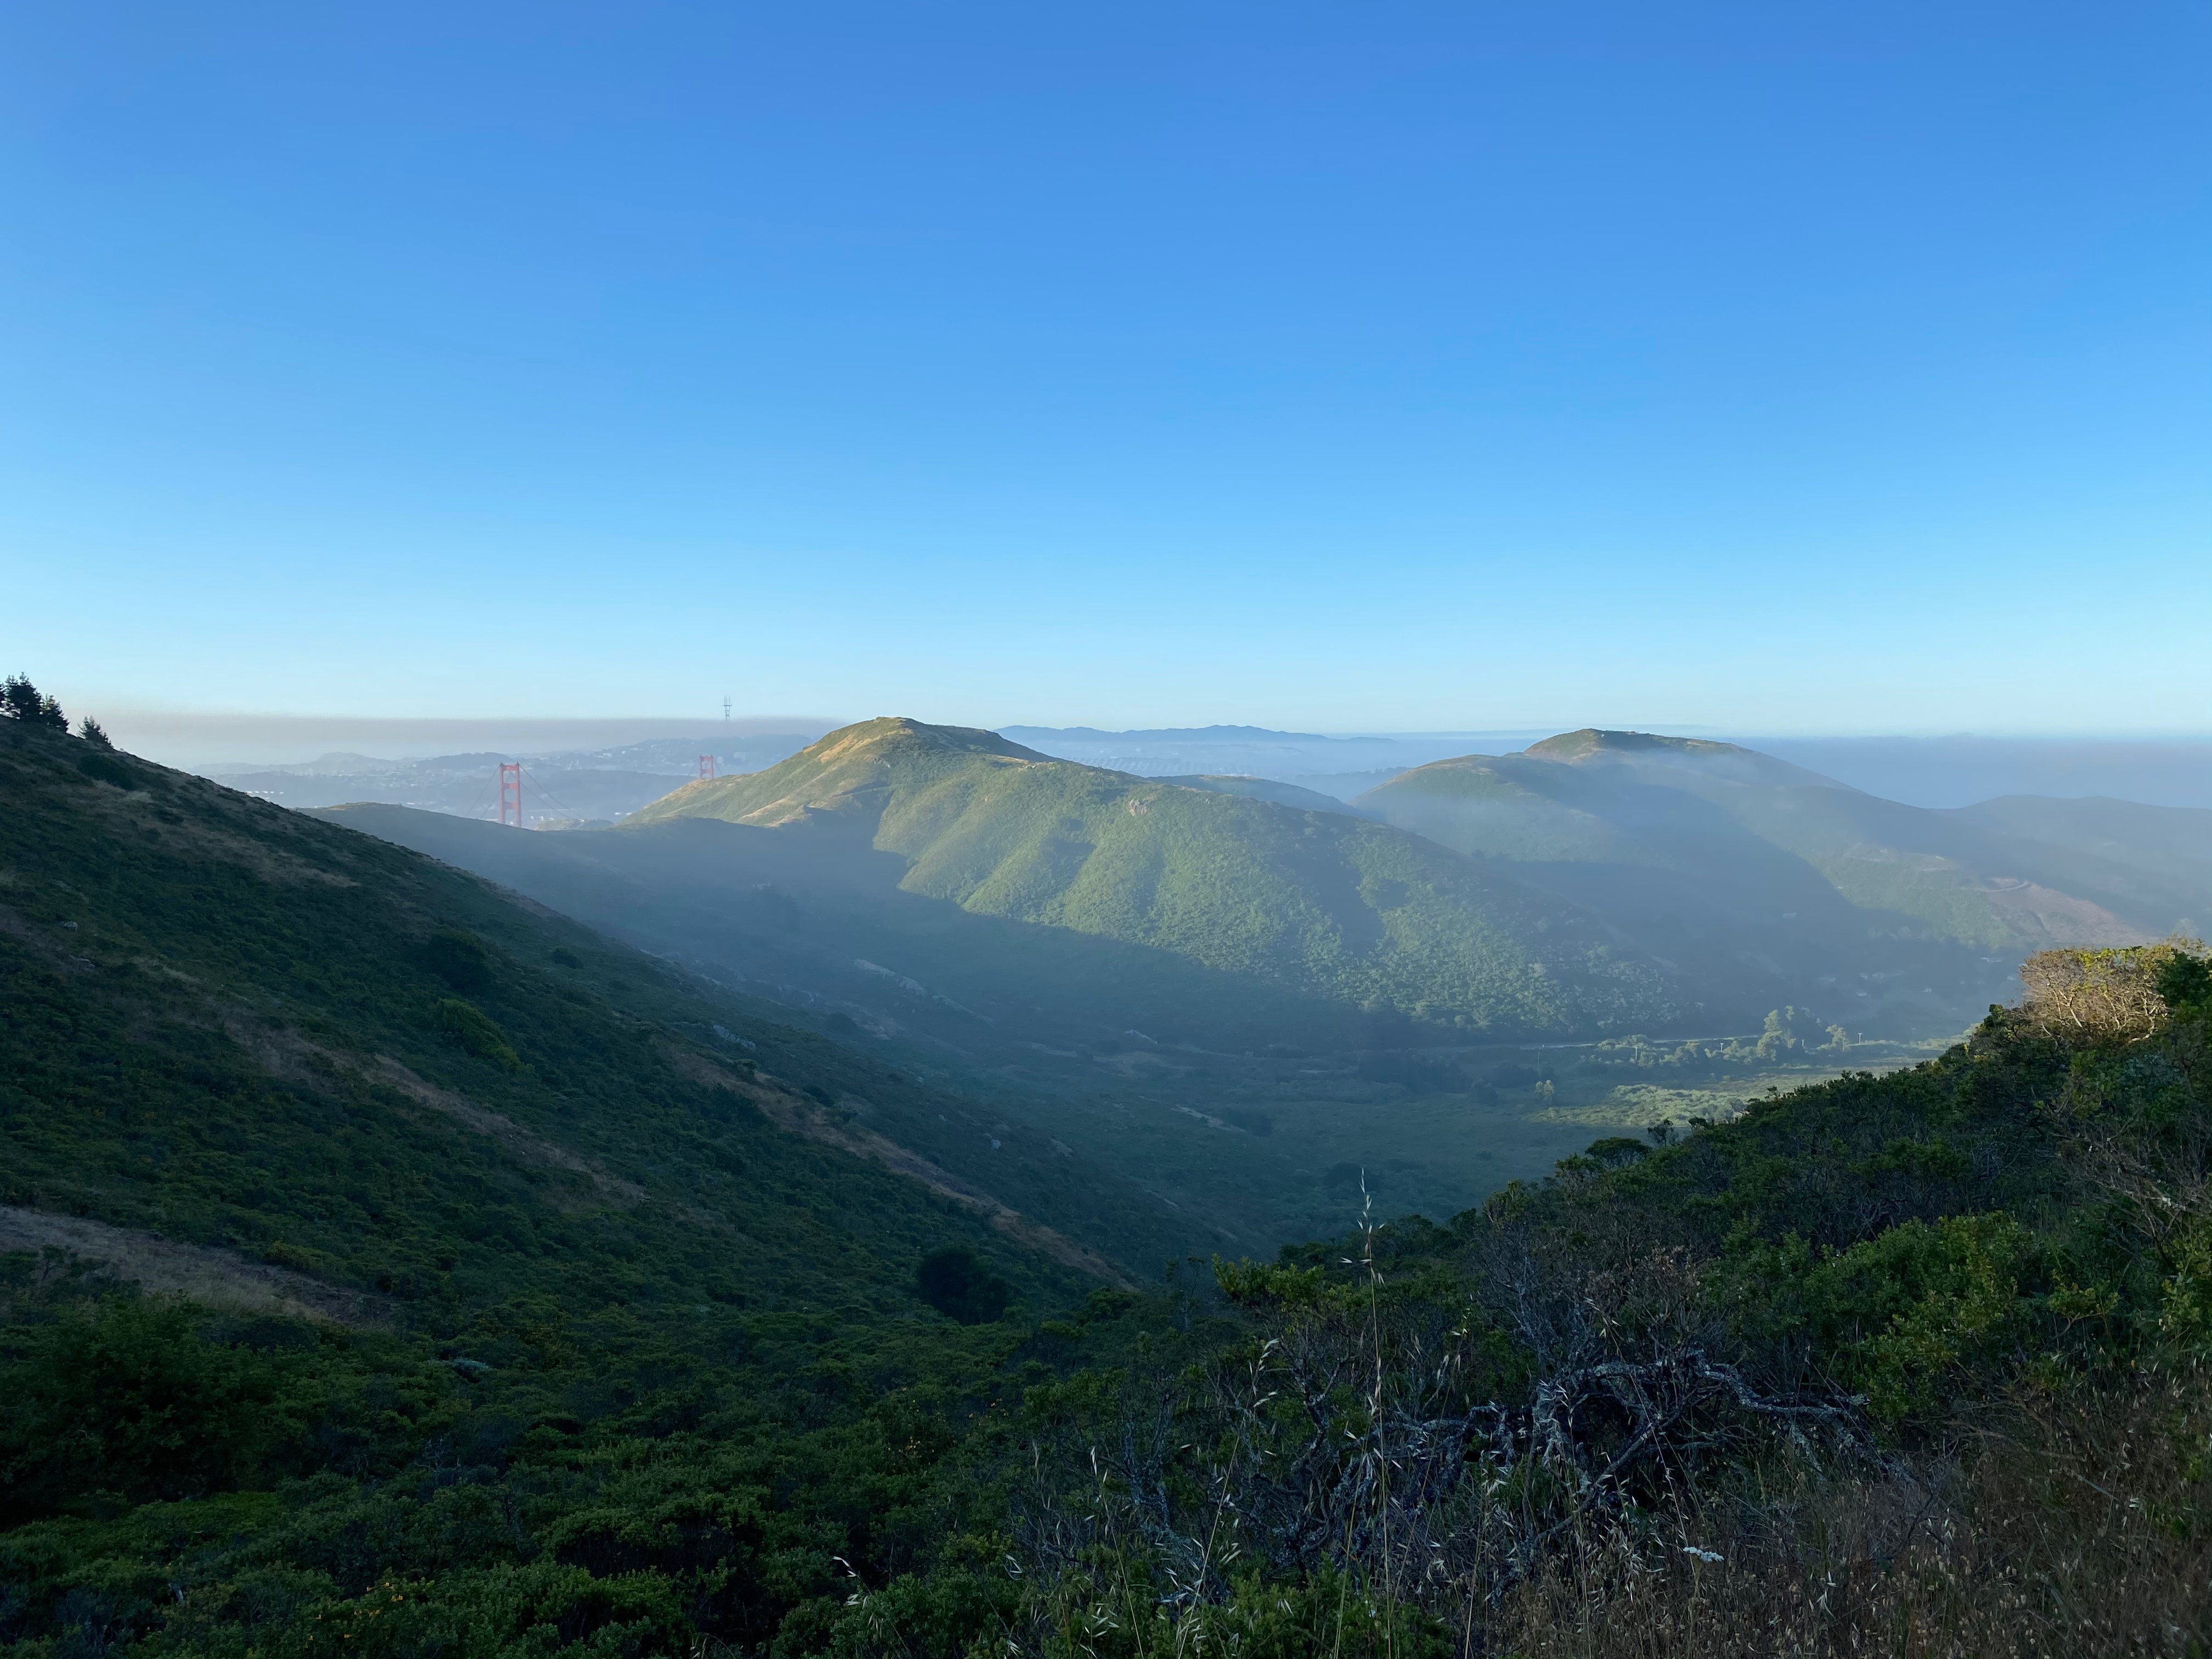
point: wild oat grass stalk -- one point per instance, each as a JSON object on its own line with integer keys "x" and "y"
{"x": 2088, "y": 1534}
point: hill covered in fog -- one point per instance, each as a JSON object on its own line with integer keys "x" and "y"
{"x": 566, "y": 788}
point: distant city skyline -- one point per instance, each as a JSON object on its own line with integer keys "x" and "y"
{"x": 1417, "y": 368}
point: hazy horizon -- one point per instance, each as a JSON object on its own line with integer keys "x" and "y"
{"x": 1941, "y": 769}
{"x": 174, "y": 735}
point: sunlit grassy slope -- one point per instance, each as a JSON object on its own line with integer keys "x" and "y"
{"x": 1317, "y": 903}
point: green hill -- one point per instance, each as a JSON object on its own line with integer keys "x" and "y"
{"x": 1750, "y": 871}
{"x": 1314, "y": 903}
{"x": 1965, "y": 875}
{"x": 510, "y": 1251}
{"x": 1283, "y": 794}
{"x": 825, "y": 924}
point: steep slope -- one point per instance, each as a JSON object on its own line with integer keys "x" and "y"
{"x": 1238, "y": 1113}
{"x": 530, "y": 1318}
{"x": 815, "y": 922}
{"x": 1283, "y": 794}
{"x": 242, "y": 1025}
{"x": 1747, "y": 868}
{"x": 1315, "y": 902}
{"x": 509, "y": 1252}
{"x": 2167, "y": 849}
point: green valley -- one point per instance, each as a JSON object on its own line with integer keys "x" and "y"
{"x": 1091, "y": 952}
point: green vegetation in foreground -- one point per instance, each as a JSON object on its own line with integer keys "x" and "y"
{"x": 1319, "y": 903}
{"x": 1923, "y": 1353}
{"x": 1920, "y": 1352}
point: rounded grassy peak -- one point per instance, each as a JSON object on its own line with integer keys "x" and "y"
{"x": 1676, "y": 761}
{"x": 896, "y": 732}
{"x": 837, "y": 772}
{"x": 1460, "y": 777}
{"x": 1593, "y": 744}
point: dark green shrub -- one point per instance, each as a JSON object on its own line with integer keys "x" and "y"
{"x": 2185, "y": 982}
{"x": 1614, "y": 1151}
{"x": 125, "y": 1402}
{"x": 475, "y": 1030}
{"x": 460, "y": 958}
{"x": 957, "y": 1284}
{"x": 108, "y": 768}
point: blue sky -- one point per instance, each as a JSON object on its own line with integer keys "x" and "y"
{"x": 1818, "y": 368}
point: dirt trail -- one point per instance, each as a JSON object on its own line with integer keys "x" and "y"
{"x": 801, "y": 1117}
{"x": 285, "y": 1054}
{"x": 524, "y": 1145}
{"x": 219, "y": 1278}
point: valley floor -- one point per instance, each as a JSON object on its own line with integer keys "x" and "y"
{"x": 1258, "y": 1152}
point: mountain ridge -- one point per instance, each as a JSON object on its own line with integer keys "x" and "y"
{"x": 1314, "y": 899}
{"x": 1593, "y": 745}
{"x": 1716, "y": 854}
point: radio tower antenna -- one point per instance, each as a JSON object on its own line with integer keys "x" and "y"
{"x": 726, "y": 709}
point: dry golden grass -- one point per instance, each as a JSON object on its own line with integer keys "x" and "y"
{"x": 2100, "y": 996}
{"x": 2087, "y": 1536}
{"x": 218, "y": 1278}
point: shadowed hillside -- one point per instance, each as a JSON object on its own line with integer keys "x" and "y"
{"x": 2167, "y": 849}
{"x": 1750, "y": 873}
{"x": 170, "y": 926}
